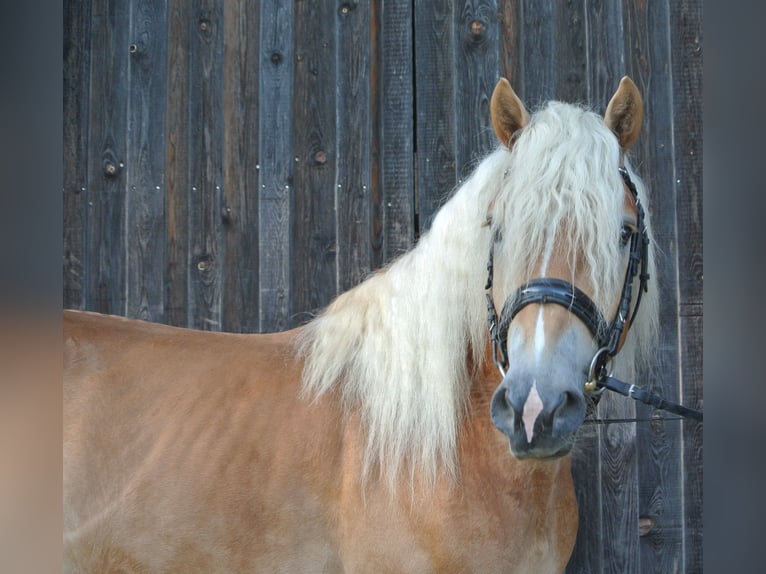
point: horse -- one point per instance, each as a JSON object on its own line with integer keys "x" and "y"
{"x": 408, "y": 427}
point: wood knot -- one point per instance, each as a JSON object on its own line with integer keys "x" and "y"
{"x": 276, "y": 58}
{"x": 320, "y": 157}
{"x": 645, "y": 525}
{"x": 478, "y": 30}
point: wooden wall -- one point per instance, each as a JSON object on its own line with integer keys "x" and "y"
{"x": 235, "y": 165}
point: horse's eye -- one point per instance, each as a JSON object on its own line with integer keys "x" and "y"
{"x": 625, "y": 234}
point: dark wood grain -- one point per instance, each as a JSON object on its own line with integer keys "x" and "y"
{"x": 206, "y": 166}
{"x": 177, "y": 165}
{"x": 76, "y": 71}
{"x": 619, "y": 487}
{"x": 315, "y": 240}
{"x": 240, "y": 127}
{"x": 353, "y": 189}
{"x": 538, "y": 47}
{"x": 476, "y": 73}
{"x": 605, "y": 51}
{"x": 510, "y": 45}
{"x": 569, "y": 45}
{"x": 435, "y": 48}
{"x": 393, "y": 100}
{"x": 659, "y": 444}
{"x": 686, "y": 28}
{"x": 276, "y": 165}
{"x": 587, "y": 555}
{"x": 105, "y": 191}
{"x": 145, "y": 169}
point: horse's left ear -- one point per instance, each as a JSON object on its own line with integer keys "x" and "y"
{"x": 625, "y": 113}
{"x": 506, "y": 111}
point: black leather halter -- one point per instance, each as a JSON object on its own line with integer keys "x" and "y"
{"x": 549, "y": 290}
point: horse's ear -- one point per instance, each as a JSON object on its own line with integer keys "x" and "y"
{"x": 506, "y": 111}
{"x": 625, "y": 113}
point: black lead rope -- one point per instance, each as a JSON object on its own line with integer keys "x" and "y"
{"x": 648, "y": 398}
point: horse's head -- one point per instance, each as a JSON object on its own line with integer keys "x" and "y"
{"x": 569, "y": 243}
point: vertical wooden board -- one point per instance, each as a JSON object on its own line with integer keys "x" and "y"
{"x": 605, "y": 51}
{"x": 353, "y": 189}
{"x": 315, "y": 240}
{"x": 276, "y": 165}
{"x": 76, "y": 72}
{"x": 177, "y": 164}
{"x": 619, "y": 487}
{"x": 686, "y": 28}
{"x": 659, "y": 444}
{"x": 145, "y": 167}
{"x": 107, "y": 122}
{"x": 587, "y": 555}
{"x": 691, "y": 362}
{"x": 206, "y": 165}
{"x": 538, "y": 47}
{"x": 476, "y": 72}
{"x": 570, "y": 73}
{"x": 393, "y": 93}
{"x": 240, "y": 166}
{"x": 511, "y": 53}
{"x": 436, "y": 173}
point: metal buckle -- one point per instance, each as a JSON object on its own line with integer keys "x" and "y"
{"x": 597, "y": 371}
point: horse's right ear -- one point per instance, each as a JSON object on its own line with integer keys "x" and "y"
{"x": 507, "y": 113}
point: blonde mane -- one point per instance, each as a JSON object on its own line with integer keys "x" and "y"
{"x": 397, "y": 346}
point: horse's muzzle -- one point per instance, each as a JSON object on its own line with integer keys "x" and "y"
{"x": 539, "y": 421}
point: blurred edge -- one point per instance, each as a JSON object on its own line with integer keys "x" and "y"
{"x": 30, "y": 287}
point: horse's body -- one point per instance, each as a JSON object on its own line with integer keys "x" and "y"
{"x": 362, "y": 442}
{"x": 189, "y": 452}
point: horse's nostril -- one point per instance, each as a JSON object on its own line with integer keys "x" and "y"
{"x": 568, "y": 413}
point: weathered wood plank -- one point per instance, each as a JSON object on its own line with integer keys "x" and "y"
{"x": 538, "y": 47}
{"x": 177, "y": 164}
{"x": 686, "y": 29}
{"x": 354, "y": 135}
{"x": 659, "y": 444}
{"x": 145, "y": 166}
{"x": 276, "y": 165}
{"x": 107, "y": 125}
{"x": 76, "y": 71}
{"x": 436, "y": 173}
{"x": 605, "y": 51}
{"x": 393, "y": 99}
{"x": 511, "y": 54}
{"x": 619, "y": 484}
{"x": 240, "y": 166}
{"x": 206, "y": 166}
{"x": 315, "y": 239}
{"x": 569, "y": 44}
{"x": 476, "y": 72}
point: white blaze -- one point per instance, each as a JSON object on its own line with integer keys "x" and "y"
{"x": 539, "y": 336}
{"x": 532, "y": 409}
{"x": 540, "y": 327}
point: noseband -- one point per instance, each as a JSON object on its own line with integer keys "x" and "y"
{"x": 549, "y": 290}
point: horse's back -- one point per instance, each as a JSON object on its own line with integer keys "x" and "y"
{"x": 181, "y": 447}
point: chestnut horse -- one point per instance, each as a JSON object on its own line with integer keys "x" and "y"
{"x": 380, "y": 437}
